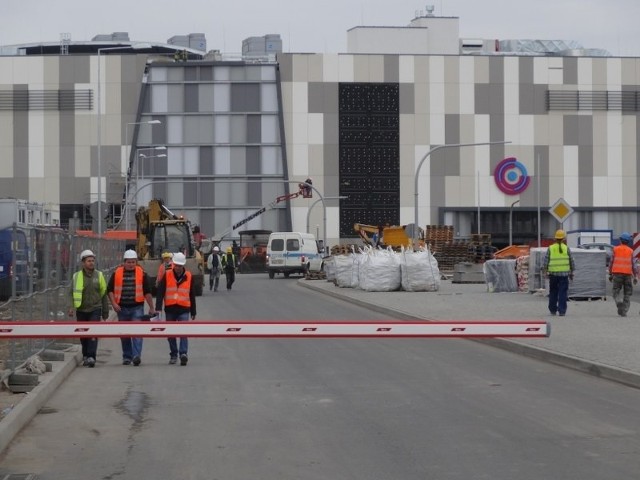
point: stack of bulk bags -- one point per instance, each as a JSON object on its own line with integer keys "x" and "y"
{"x": 419, "y": 271}
{"x": 330, "y": 268}
{"x": 379, "y": 271}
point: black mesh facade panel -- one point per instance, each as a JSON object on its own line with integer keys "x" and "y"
{"x": 369, "y": 150}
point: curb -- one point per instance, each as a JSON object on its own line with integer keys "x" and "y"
{"x": 29, "y": 406}
{"x": 618, "y": 375}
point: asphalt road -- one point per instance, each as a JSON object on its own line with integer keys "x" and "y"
{"x": 328, "y": 408}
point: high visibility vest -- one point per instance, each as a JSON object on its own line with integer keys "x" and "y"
{"x": 119, "y": 280}
{"x": 162, "y": 269}
{"x": 78, "y": 286}
{"x": 558, "y": 262}
{"x": 177, "y": 294}
{"x": 622, "y": 260}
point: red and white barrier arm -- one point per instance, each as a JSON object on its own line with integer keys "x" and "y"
{"x": 10, "y": 330}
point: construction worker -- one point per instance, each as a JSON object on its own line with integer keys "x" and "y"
{"x": 166, "y": 264}
{"x": 559, "y": 267}
{"x": 128, "y": 290}
{"x": 213, "y": 264}
{"x": 89, "y": 301}
{"x": 623, "y": 273}
{"x": 177, "y": 290}
{"x": 228, "y": 263}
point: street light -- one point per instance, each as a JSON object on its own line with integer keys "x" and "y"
{"x": 510, "y": 224}
{"x": 415, "y": 186}
{"x": 324, "y": 216}
{"x": 134, "y": 46}
{"x": 126, "y": 184}
{"x": 140, "y": 166}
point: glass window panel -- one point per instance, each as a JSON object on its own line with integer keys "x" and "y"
{"x": 191, "y": 160}
{"x": 191, "y": 129}
{"x": 271, "y": 163}
{"x": 205, "y": 97}
{"x": 206, "y": 197}
{"x": 205, "y": 126}
{"x": 222, "y": 161}
{"x": 237, "y": 73}
{"x": 221, "y": 73}
{"x": 174, "y": 129}
{"x": 191, "y": 200}
{"x": 238, "y": 161}
{"x": 270, "y": 129}
{"x": 206, "y": 74}
{"x": 239, "y": 195}
{"x": 222, "y": 97}
{"x": 238, "y": 129}
{"x": 191, "y": 74}
{"x": 175, "y": 193}
{"x": 159, "y": 98}
{"x": 253, "y": 73}
{"x": 175, "y": 75}
{"x": 268, "y": 73}
{"x": 145, "y": 133}
{"x": 174, "y": 166}
{"x": 222, "y": 196}
{"x": 158, "y": 74}
{"x": 175, "y": 98}
{"x": 221, "y": 129}
{"x": 268, "y": 97}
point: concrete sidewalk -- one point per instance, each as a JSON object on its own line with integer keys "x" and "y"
{"x": 592, "y": 337}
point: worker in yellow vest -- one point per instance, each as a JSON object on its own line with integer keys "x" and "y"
{"x": 89, "y": 301}
{"x": 623, "y": 274}
{"x": 558, "y": 267}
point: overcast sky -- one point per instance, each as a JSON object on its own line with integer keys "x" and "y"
{"x": 319, "y": 26}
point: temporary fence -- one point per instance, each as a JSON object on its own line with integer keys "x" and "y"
{"x": 36, "y": 267}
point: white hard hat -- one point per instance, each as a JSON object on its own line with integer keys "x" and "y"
{"x": 87, "y": 253}
{"x": 216, "y": 249}
{"x": 179, "y": 258}
{"x": 130, "y": 254}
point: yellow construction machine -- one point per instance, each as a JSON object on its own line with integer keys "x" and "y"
{"x": 388, "y": 236}
{"x": 160, "y": 230}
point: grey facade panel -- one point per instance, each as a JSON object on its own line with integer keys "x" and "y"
{"x": 253, "y": 161}
{"x": 570, "y": 129}
{"x": 14, "y": 187}
{"x": 254, "y": 195}
{"x": 190, "y": 195}
{"x": 482, "y": 98}
{"x": 585, "y": 175}
{"x": 67, "y": 163}
{"x": 245, "y": 97}
{"x": 527, "y": 99}
{"x": 525, "y": 70}
{"x": 191, "y": 102}
{"x": 496, "y": 70}
{"x": 286, "y": 67}
{"x": 407, "y": 98}
{"x": 496, "y": 128}
{"x": 74, "y": 69}
{"x": 67, "y": 129}
{"x": 254, "y": 129}
{"x": 540, "y": 99}
{"x": 316, "y": 97}
{"x": 570, "y": 71}
{"x": 207, "y": 198}
{"x": 496, "y": 99}
{"x": 206, "y": 160}
{"x": 159, "y": 132}
{"x": 451, "y": 129}
{"x": 391, "y": 68}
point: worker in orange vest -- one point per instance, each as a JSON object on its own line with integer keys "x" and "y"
{"x": 166, "y": 264}
{"x": 623, "y": 274}
{"x": 177, "y": 290}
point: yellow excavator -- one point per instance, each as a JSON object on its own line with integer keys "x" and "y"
{"x": 388, "y": 236}
{"x": 160, "y": 230}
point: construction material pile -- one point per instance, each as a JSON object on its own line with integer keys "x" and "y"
{"x": 377, "y": 270}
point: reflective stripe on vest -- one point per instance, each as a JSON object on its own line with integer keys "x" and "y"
{"x": 119, "y": 280}
{"x": 622, "y": 260}
{"x": 78, "y": 286}
{"x": 177, "y": 294}
{"x": 558, "y": 262}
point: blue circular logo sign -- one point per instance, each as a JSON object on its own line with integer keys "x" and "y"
{"x": 511, "y": 176}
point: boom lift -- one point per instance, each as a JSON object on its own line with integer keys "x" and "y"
{"x": 160, "y": 230}
{"x": 303, "y": 191}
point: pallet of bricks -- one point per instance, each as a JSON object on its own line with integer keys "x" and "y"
{"x": 342, "y": 249}
{"x": 444, "y": 248}
{"x": 480, "y": 248}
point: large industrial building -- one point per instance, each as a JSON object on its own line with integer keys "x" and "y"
{"x": 94, "y": 126}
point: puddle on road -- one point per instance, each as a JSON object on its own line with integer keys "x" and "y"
{"x": 135, "y": 405}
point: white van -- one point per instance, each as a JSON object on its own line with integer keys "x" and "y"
{"x": 292, "y": 252}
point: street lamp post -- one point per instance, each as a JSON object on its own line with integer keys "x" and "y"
{"x": 140, "y": 166}
{"x": 134, "y": 46}
{"x": 415, "y": 186}
{"x": 126, "y": 184}
{"x": 324, "y": 216}
{"x": 510, "y": 222}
